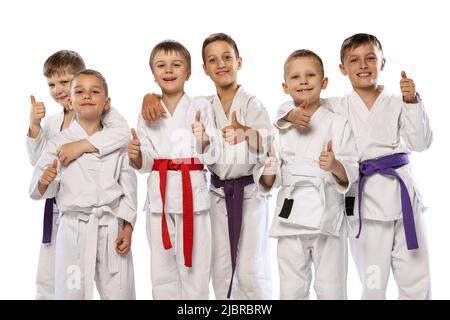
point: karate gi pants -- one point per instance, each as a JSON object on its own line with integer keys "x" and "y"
{"x": 329, "y": 256}
{"x": 171, "y": 279}
{"x": 382, "y": 246}
{"x": 253, "y": 278}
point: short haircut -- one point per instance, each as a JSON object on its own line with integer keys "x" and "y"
{"x": 170, "y": 46}
{"x": 219, "y": 37}
{"x": 304, "y": 53}
{"x": 63, "y": 61}
{"x": 90, "y": 72}
{"x": 357, "y": 40}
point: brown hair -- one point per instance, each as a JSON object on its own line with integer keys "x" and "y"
{"x": 170, "y": 46}
{"x": 304, "y": 53}
{"x": 357, "y": 40}
{"x": 219, "y": 37}
{"x": 95, "y": 73}
{"x": 63, "y": 61}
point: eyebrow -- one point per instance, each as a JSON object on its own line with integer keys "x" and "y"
{"x": 94, "y": 86}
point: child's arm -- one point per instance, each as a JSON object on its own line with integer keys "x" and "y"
{"x": 37, "y": 136}
{"x": 152, "y": 109}
{"x": 134, "y": 151}
{"x": 328, "y": 162}
{"x": 299, "y": 117}
{"x": 37, "y": 113}
{"x": 204, "y": 129}
{"x": 270, "y": 170}
{"x": 414, "y": 123}
{"x": 128, "y": 182}
{"x": 114, "y": 135}
{"x": 44, "y": 183}
{"x": 123, "y": 240}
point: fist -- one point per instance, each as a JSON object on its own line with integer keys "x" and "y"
{"x": 408, "y": 89}
{"x": 198, "y": 130}
{"x": 49, "y": 174}
{"x": 327, "y": 161}
{"x": 271, "y": 164}
{"x": 134, "y": 146}
{"x": 37, "y": 112}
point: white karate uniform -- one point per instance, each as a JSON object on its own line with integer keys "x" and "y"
{"x": 314, "y": 231}
{"x": 114, "y": 135}
{"x": 172, "y": 138}
{"x": 253, "y": 279}
{"x": 390, "y": 126}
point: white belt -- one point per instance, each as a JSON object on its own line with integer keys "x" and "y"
{"x": 101, "y": 216}
{"x": 293, "y": 176}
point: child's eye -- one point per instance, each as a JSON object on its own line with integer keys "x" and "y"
{"x": 51, "y": 85}
{"x": 78, "y": 91}
{"x": 161, "y": 65}
{"x": 228, "y": 57}
{"x": 64, "y": 82}
{"x": 353, "y": 60}
{"x": 294, "y": 77}
{"x": 211, "y": 60}
{"x": 96, "y": 91}
{"x": 311, "y": 74}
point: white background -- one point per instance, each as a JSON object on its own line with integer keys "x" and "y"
{"x": 115, "y": 37}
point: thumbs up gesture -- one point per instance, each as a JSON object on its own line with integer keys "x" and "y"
{"x": 134, "y": 146}
{"x": 37, "y": 113}
{"x": 49, "y": 174}
{"x": 300, "y": 116}
{"x": 236, "y": 132}
{"x": 271, "y": 164}
{"x": 408, "y": 89}
{"x": 327, "y": 161}
{"x": 198, "y": 129}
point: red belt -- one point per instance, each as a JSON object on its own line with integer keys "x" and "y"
{"x": 185, "y": 165}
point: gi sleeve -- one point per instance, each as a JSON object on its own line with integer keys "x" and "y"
{"x": 45, "y": 161}
{"x": 415, "y": 126}
{"x": 36, "y": 146}
{"x": 114, "y": 135}
{"x": 128, "y": 182}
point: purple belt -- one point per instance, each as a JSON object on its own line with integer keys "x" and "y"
{"x": 48, "y": 220}
{"x": 234, "y": 199}
{"x": 386, "y": 166}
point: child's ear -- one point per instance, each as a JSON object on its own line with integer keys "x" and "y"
{"x": 383, "y": 63}
{"x": 205, "y": 70}
{"x": 324, "y": 83}
{"x": 285, "y": 88}
{"x": 70, "y": 105}
{"x": 188, "y": 75}
{"x": 239, "y": 63}
{"x": 342, "y": 68}
{"x": 107, "y": 105}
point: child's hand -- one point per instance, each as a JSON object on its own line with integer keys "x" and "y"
{"x": 37, "y": 112}
{"x": 198, "y": 129}
{"x": 47, "y": 177}
{"x": 271, "y": 164}
{"x": 236, "y": 132}
{"x": 327, "y": 161}
{"x": 408, "y": 89}
{"x": 299, "y": 116}
{"x": 134, "y": 146}
{"x": 71, "y": 151}
{"x": 152, "y": 109}
{"x": 123, "y": 240}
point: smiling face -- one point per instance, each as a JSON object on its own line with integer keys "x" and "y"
{"x": 88, "y": 98}
{"x": 59, "y": 87}
{"x": 363, "y": 64}
{"x": 221, "y": 63}
{"x": 171, "y": 71}
{"x": 304, "y": 80}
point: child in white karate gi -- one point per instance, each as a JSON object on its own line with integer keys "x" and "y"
{"x": 96, "y": 196}
{"x": 177, "y": 206}
{"x": 388, "y": 210}
{"x": 59, "y": 69}
{"x": 318, "y": 164}
{"x": 239, "y": 208}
